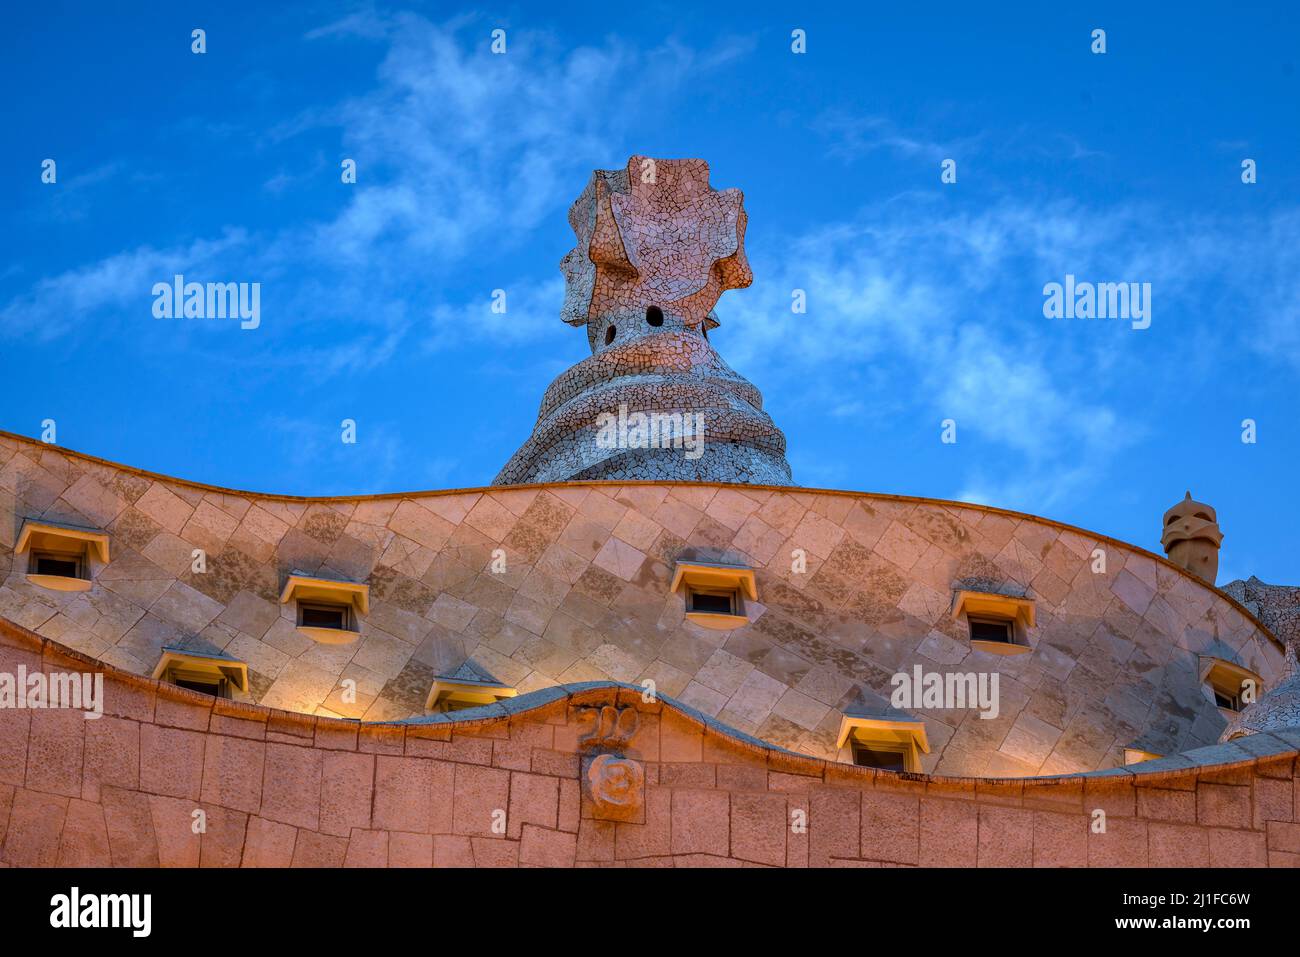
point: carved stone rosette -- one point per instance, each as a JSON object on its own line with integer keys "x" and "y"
{"x": 613, "y": 783}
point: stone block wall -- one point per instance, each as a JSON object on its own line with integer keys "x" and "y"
{"x": 585, "y": 597}
{"x": 514, "y": 786}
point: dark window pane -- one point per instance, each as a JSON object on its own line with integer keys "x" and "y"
{"x": 990, "y": 631}
{"x": 886, "y": 760}
{"x": 51, "y": 565}
{"x": 1227, "y": 701}
{"x": 323, "y": 617}
{"x": 713, "y": 604}
{"x": 462, "y": 705}
{"x": 213, "y": 688}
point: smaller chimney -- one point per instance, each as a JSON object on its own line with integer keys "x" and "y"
{"x": 1191, "y": 538}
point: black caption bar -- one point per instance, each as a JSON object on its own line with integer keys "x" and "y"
{"x": 131, "y": 907}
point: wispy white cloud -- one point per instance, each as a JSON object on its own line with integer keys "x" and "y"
{"x": 57, "y": 305}
{"x": 460, "y": 155}
{"x": 930, "y": 308}
{"x": 527, "y": 308}
{"x": 950, "y": 306}
{"x": 850, "y": 136}
{"x": 464, "y": 146}
{"x": 386, "y": 455}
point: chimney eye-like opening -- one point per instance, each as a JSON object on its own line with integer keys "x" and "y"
{"x": 655, "y": 316}
{"x": 610, "y": 333}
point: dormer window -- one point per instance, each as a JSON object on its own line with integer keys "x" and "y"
{"x": 889, "y": 743}
{"x": 327, "y": 610}
{"x": 998, "y": 623}
{"x": 446, "y": 695}
{"x": 469, "y": 686}
{"x": 60, "y": 556}
{"x": 715, "y": 594}
{"x": 1231, "y": 685}
{"x": 214, "y": 674}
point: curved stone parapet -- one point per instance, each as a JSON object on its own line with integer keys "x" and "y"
{"x": 591, "y": 774}
{"x": 582, "y": 591}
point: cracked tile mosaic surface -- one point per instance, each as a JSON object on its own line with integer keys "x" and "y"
{"x": 656, "y": 247}
{"x": 1278, "y": 607}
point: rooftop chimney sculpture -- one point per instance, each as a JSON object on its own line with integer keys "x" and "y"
{"x": 1191, "y": 538}
{"x": 656, "y": 247}
{"x": 1278, "y": 709}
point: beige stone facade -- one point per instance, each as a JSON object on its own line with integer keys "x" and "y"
{"x": 584, "y": 596}
{"x": 516, "y": 789}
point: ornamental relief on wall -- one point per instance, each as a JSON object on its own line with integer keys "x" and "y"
{"x": 613, "y": 783}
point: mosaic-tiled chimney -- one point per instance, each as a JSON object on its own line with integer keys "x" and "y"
{"x": 656, "y": 248}
{"x": 1278, "y": 709}
{"x": 1191, "y": 538}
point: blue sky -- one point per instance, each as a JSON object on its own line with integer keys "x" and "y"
{"x": 924, "y": 299}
